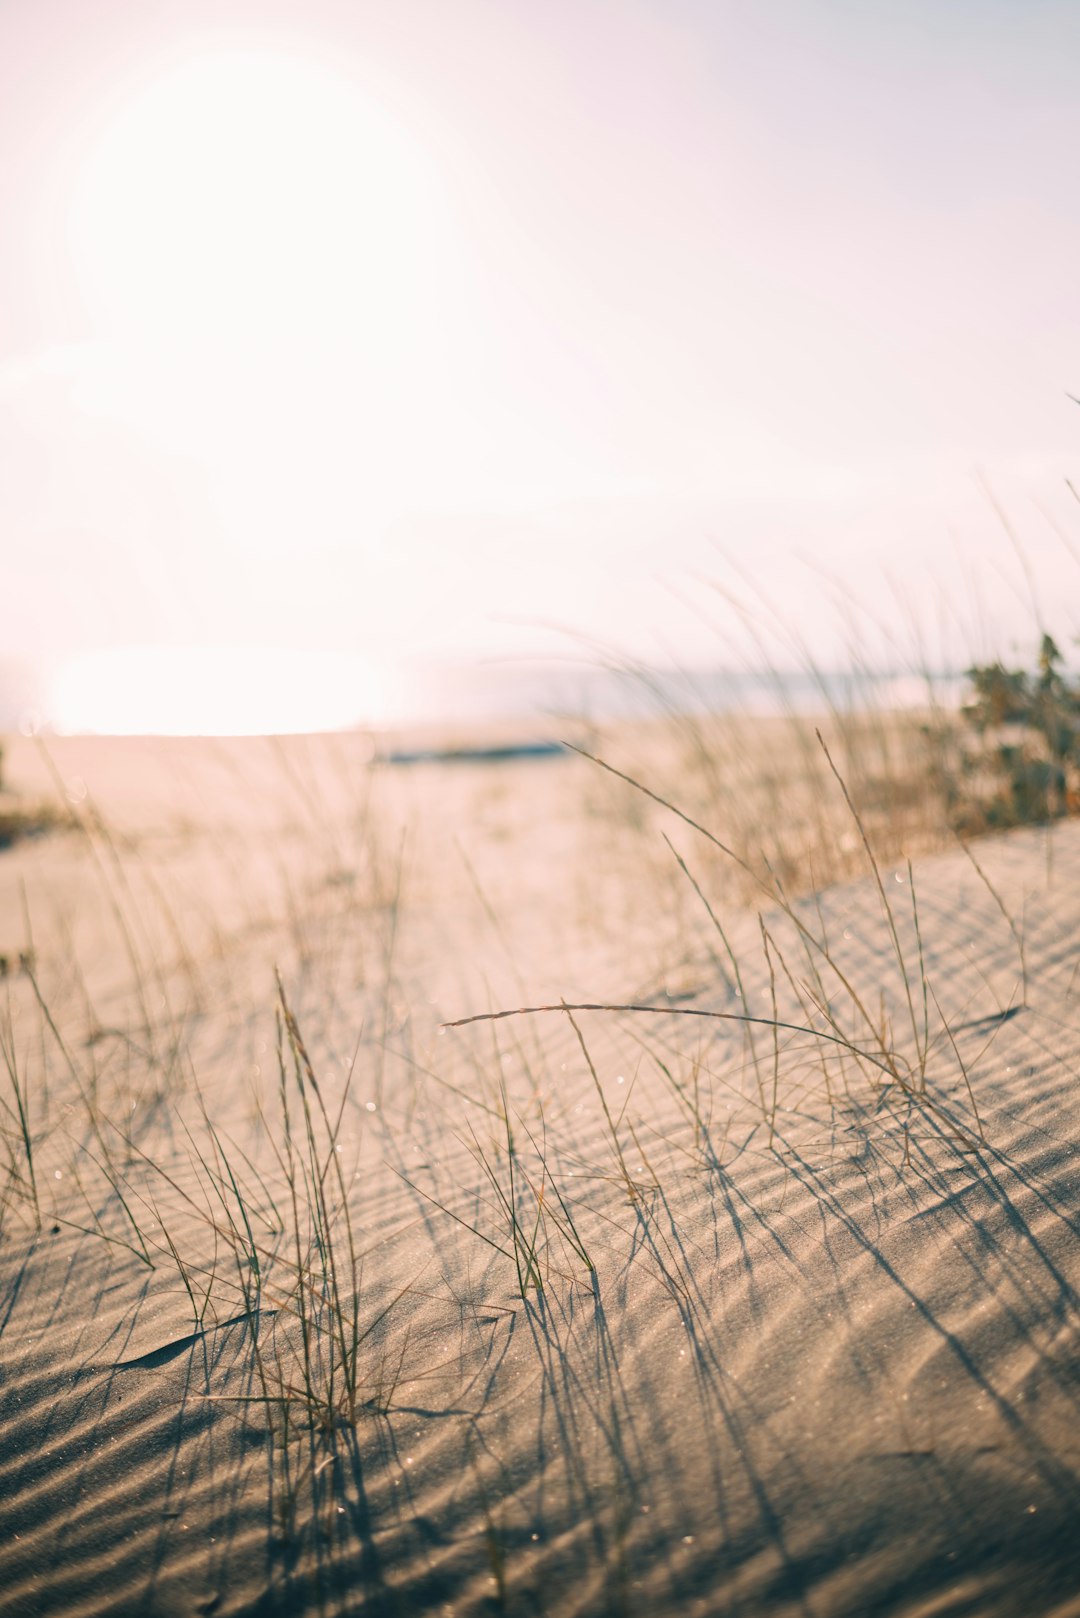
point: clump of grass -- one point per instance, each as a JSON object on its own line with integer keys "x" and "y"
{"x": 18, "y": 1135}
{"x": 532, "y": 1218}
{"x": 764, "y": 778}
{"x": 830, "y": 1010}
{"x": 327, "y": 1297}
{"x": 1018, "y": 763}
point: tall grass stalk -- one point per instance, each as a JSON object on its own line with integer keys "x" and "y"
{"x": 22, "y": 1110}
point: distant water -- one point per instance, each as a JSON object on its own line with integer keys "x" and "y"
{"x": 506, "y": 692}
{"x": 239, "y": 691}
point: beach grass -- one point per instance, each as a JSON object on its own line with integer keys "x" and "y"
{"x": 434, "y": 1192}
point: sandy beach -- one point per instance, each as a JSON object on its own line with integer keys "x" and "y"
{"x": 759, "y": 1298}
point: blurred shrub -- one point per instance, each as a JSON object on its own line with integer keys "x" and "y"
{"x": 1016, "y": 756}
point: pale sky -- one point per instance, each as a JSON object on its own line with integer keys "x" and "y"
{"x": 398, "y": 331}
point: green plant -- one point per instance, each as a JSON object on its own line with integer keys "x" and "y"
{"x": 1025, "y": 766}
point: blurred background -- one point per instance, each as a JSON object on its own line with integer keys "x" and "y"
{"x": 369, "y": 361}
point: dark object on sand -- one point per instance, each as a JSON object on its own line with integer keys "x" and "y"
{"x": 502, "y": 753}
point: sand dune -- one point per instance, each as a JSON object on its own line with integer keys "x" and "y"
{"x": 799, "y": 1332}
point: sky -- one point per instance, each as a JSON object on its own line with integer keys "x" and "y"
{"x": 338, "y": 338}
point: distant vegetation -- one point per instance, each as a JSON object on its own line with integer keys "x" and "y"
{"x": 19, "y": 819}
{"x": 1016, "y": 760}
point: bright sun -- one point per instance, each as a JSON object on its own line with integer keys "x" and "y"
{"x": 260, "y": 248}
{"x": 247, "y": 199}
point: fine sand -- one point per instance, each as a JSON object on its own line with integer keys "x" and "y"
{"x": 310, "y": 1305}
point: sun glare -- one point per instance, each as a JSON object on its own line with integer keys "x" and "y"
{"x": 262, "y": 249}
{"x": 253, "y": 198}
{"x": 214, "y": 691}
